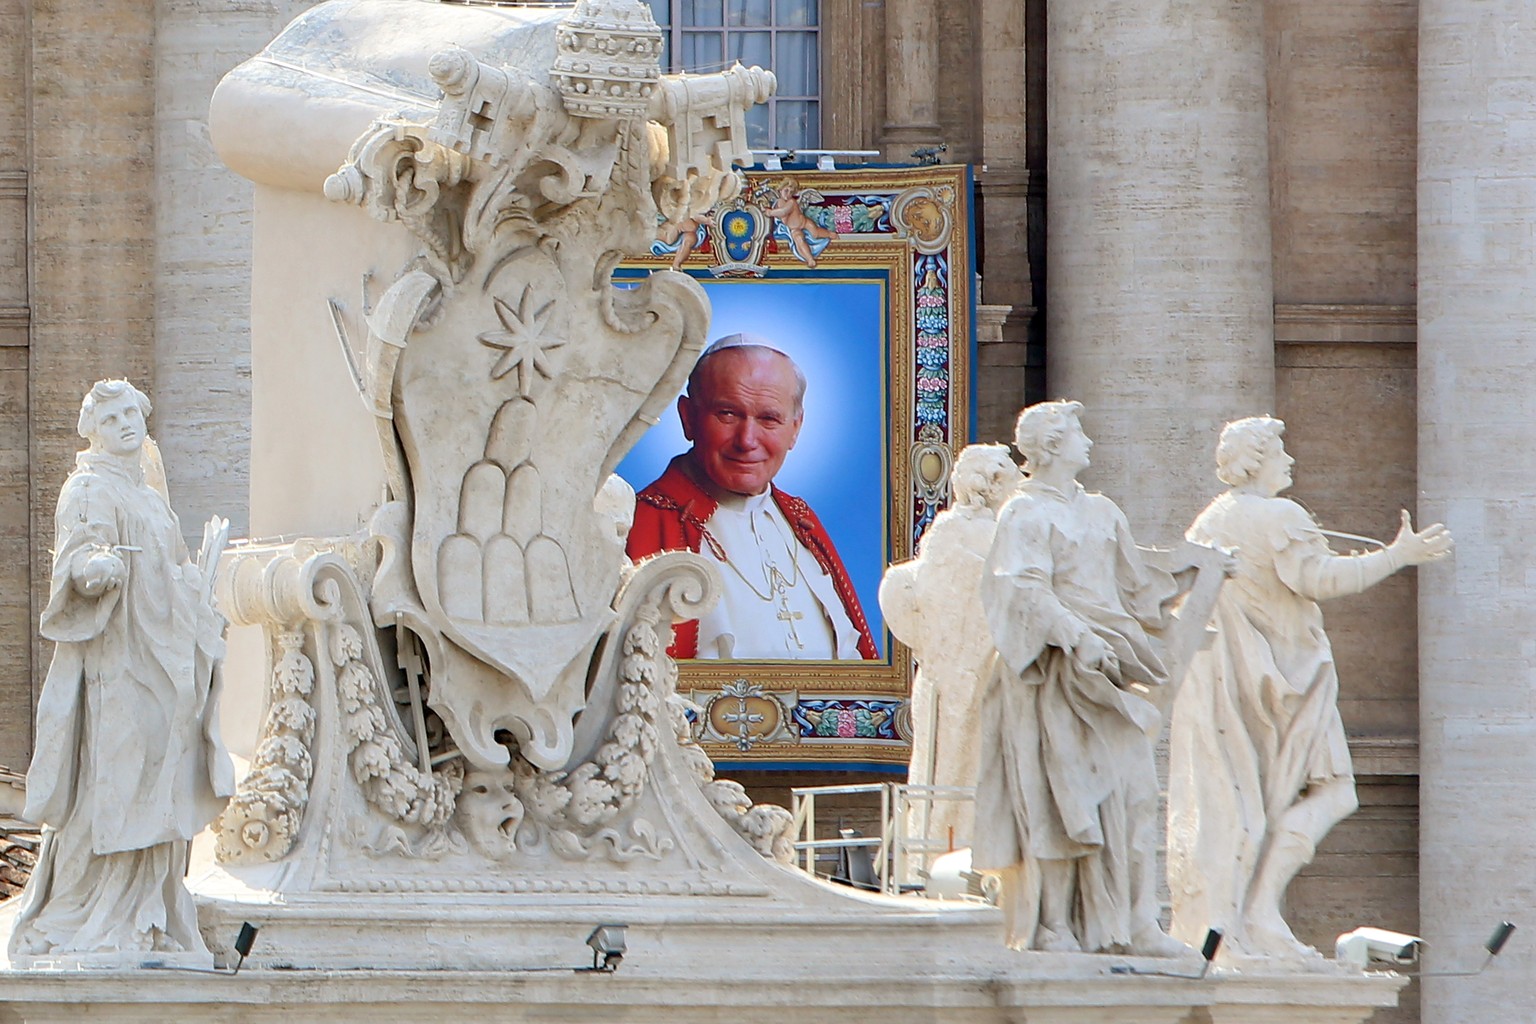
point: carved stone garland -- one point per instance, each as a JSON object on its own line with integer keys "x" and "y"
{"x": 262, "y": 819}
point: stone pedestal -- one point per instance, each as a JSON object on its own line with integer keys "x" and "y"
{"x": 918, "y": 976}
{"x": 1477, "y": 471}
{"x": 1159, "y": 311}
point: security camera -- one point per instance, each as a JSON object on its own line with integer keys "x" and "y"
{"x": 1376, "y": 945}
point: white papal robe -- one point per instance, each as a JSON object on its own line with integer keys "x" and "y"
{"x": 777, "y": 602}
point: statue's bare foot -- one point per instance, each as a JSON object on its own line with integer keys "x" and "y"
{"x": 32, "y": 942}
{"x": 1153, "y": 941}
{"x": 164, "y": 943}
{"x": 1270, "y": 936}
{"x": 1056, "y": 940}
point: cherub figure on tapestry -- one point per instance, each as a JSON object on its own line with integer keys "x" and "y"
{"x": 802, "y": 232}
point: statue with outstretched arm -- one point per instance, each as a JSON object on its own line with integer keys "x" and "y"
{"x": 1259, "y": 765}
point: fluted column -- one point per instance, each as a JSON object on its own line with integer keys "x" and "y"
{"x": 1477, "y": 472}
{"x": 911, "y": 77}
{"x": 1159, "y": 308}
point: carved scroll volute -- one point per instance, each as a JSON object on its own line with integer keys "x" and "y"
{"x": 263, "y": 586}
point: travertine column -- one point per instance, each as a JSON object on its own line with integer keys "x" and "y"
{"x": 91, "y": 253}
{"x": 16, "y": 620}
{"x": 911, "y": 77}
{"x": 1477, "y": 473}
{"x": 203, "y": 259}
{"x": 1159, "y": 309}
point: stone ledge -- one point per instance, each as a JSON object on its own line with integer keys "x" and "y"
{"x": 1350, "y": 324}
{"x": 1384, "y": 755}
{"x": 732, "y": 988}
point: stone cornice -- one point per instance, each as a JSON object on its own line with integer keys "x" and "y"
{"x": 13, "y": 184}
{"x": 998, "y": 179}
{"x": 1385, "y": 755}
{"x": 1347, "y": 324}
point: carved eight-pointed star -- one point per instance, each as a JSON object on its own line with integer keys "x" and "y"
{"x": 524, "y": 348}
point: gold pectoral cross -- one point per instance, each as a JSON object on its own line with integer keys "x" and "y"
{"x": 786, "y": 615}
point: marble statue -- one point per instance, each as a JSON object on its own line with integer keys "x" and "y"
{"x": 1259, "y": 767}
{"x": 128, "y": 765}
{"x": 1066, "y": 798}
{"x": 932, "y": 603}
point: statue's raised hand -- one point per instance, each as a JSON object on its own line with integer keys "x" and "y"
{"x": 1428, "y": 544}
{"x": 102, "y": 571}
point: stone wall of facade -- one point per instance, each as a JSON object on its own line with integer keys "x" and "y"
{"x": 15, "y": 313}
{"x": 125, "y": 247}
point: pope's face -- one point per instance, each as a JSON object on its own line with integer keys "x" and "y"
{"x": 742, "y": 419}
{"x": 120, "y": 426}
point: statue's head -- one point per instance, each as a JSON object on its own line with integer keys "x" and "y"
{"x": 1043, "y": 428}
{"x": 114, "y": 417}
{"x": 615, "y": 502}
{"x": 984, "y": 474}
{"x": 1251, "y": 455}
{"x": 489, "y": 812}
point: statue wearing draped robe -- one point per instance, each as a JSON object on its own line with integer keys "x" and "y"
{"x": 932, "y": 603}
{"x": 1259, "y": 766}
{"x": 128, "y": 767}
{"x": 1066, "y": 796}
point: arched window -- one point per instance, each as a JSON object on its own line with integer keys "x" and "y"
{"x": 780, "y": 35}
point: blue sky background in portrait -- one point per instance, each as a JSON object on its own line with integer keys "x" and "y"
{"x": 835, "y": 331}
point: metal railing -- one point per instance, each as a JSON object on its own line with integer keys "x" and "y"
{"x": 901, "y": 851}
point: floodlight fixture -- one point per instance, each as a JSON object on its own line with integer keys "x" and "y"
{"x": 243, "y": 943}
{"x": 608, "y": 944}
{"x": 1210, "y": 948}
{"x": 1501, "y": 934}
{"x": 927, "y": 156}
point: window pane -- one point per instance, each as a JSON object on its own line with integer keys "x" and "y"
{"x": 797, "y": 12}
{"x": 701, "y": 12}
{"x": 797, "y": 124}
{"x": 748, "y": 12}
{"x": 701, "y": 51}
{"x": 751, "y": 48}
{"x": 757, "y": 127}
{"x": 661, "y": 10}
{"x": 796, "y": 65}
